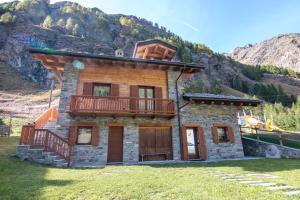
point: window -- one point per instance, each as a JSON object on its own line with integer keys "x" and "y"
{"x": 223, "y": 134}
{"x": 84, "y": 135}
{"x": 102, "y": 90}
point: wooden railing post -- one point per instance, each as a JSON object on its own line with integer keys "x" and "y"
{"x": 46, "y": 140}
{"x": 256, "y": 132}
{"x": 280, "y": 137}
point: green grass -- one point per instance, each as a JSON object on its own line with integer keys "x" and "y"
{"x": 24, "y": 180}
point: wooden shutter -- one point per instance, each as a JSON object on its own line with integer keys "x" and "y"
{"x": 201, "y": 139}
{"x": 184, "y": 148}
{"x": 134, "y": 92}
{"x": 115, "y": 90}
{"x": 73, "y": 135}
{"x": 214, "y": 131}
{"x": 95, "y": 136}
{"x": 231, "y": 134}
{"x": 87, "y": 89}
{"x": 158, "y": 95}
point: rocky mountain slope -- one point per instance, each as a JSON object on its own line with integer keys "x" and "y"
{"x": 282, "y": 51}
{"x": 70, "y": 26}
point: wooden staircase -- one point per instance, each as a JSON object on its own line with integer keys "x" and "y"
{"x": 44, "y": 146}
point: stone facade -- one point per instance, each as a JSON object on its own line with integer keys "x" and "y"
{"x": 203, "y": 115}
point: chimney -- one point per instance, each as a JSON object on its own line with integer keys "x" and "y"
{"x": 119, "y": 53}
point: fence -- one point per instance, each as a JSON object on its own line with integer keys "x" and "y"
{"x": 282, "y": 138}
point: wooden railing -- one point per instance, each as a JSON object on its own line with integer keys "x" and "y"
{"x": 43, "y": 138}
{"x": 48, "y": 115}
{"x": 282, "y": 138}
{"x": 122, "y": 105}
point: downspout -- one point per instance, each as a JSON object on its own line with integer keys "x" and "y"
{"x": 178, "y": 109}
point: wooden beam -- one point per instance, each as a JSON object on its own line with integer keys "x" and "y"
{"x": 145, "y": 53}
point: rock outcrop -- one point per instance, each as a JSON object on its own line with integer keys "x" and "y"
{"x": 282, "y": 51}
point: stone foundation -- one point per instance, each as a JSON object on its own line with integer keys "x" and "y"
{"x": 253, "y": 147}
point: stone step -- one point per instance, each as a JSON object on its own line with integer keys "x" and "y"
{"x": 263, "y": 184}
{"x": 250, "y": 182}
{"x": 63, "y": 164}
{"x": 292, "y": 193}
{"x": 281, "y": 187}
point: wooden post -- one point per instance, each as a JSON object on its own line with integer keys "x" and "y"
{"x": 46, "y": 140}
{"x": 280, "y": 137}
{"x": 256, "y": 132}
{"x": 10, "y": 126}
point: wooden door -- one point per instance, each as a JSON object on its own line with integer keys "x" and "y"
{"x": 192, "y": 143}
{"x": 146, "y": 102}
{"x": 155, "y": 143}
{"x": 115, "y": 144}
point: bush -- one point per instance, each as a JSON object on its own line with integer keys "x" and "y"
{"x": 7, "y": 18}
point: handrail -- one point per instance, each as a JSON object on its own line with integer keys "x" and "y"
{"x": 280, "y": 135}
{"x": 48, "y": 115}
{"x": 46, "y": 139}
{"x": 123, "y": 105}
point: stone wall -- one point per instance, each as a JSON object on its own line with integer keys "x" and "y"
{"x": 253, "y": 147}
{"x": 205, "y": 116}
{"x": 88, "y": 154}
{"x": 69, "y": 87}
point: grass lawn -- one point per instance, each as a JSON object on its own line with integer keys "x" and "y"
{"x": 23, "y": 180}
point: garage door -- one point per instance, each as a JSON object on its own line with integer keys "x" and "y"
{"x": 155, "y": 143}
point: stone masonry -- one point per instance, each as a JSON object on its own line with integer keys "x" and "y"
{"x": 203, "y": 115}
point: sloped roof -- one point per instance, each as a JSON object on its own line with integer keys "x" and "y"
{"x": 219, "y": 98}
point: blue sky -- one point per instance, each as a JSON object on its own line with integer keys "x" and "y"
{"x": 220, "y": 24}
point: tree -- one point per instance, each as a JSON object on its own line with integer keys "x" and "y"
{"x": 76, "y": 30}
{"x": 69, "y": 24}
{"x": 47, "y": 22}
{"x": 7, "y": 18}
{"x": 61, "y": 22}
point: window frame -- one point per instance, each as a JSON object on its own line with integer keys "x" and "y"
{"x": 102, "y": 84}
{"x": 226, "y": 129}
{"x": 77, "y": 132}
{"x": 145, "y": 87}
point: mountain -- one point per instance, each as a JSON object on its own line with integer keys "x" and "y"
{"x": 282, "y": 50}
{"x": 72, "y": 27}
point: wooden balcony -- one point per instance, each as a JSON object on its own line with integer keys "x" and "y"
{"x": 122, "y": 106}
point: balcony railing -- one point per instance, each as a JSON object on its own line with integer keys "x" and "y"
{"x": 122, "y": 106}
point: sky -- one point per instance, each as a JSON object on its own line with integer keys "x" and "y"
{"x": 222, "y": 25}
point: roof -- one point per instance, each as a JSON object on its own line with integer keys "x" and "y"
{"x": 154, "y": 49}
{"x": 159, "y": 41}
{"x": 219, "y": 98}
{"x": 114, "y": 58}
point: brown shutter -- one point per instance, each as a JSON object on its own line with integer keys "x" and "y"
{"x": 158, "y": 95}
{"x": 115, "y": 90}
{"x": 87, "y": 89}
{"x": 201, "y": 137}
{"x": 214, "y": 131}
{"x": 95, "y": 136}
{"x": 184, "y": 148}
{"x": 134, "y": 92}
{"x": 73, "y": 135}
{"x": 231, "y": 134}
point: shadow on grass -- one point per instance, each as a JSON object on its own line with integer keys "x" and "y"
{"x": 261, "y": 166}
{"x": 20, "y": 179}
{"x": 24, "y": 180}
